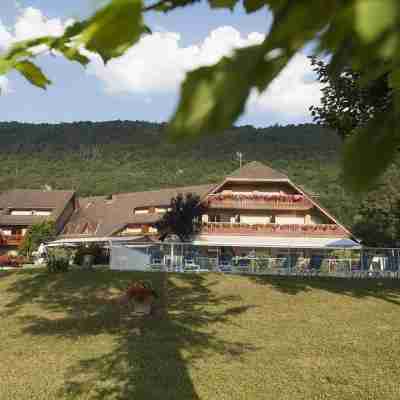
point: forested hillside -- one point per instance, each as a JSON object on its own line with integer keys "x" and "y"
{"x": 119, "y": 156}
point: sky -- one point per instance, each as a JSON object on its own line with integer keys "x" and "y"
{"x": 144, "y": 83}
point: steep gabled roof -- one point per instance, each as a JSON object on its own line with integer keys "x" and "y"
{"x": 258, "y": 171}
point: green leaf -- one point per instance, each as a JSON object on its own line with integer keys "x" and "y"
{"x": 73, "y": 54}
{"x": 370, "y": 151}
{"x": 213, "y": 97}
{"x": 114, "y": 28}
{"x": 394, "y": 79}
{"x": 223, "y": 4}
{"x": 374, "y": 17}
{"x": 253, "y": 5}
{"x": 32, "y": 73}
{"x": 5, "y": 66}
{"x": 24, "y": 48}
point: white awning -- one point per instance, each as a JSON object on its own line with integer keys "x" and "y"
{"x": 105, "y": 239}
{"x": 276, "y": 241}
{"x": 230, "y": 241}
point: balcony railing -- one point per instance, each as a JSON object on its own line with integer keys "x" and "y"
{"x": 226, "y": 228}
{"x": 266, "y": 202}
{"x": 11, "y": 240}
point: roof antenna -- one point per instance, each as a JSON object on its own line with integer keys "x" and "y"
{"x": 239, "y": 157}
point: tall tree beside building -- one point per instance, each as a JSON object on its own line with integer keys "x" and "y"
{"x": 182, "y": 219}
{"x": 38, "y": 233}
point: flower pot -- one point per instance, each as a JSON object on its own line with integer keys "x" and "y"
{"x": 143, "y": 307}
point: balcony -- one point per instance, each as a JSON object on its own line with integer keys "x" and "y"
{"x": 297, "y": 230}
{"x": 261, "y": 202}
{"x": 11, "y": 240}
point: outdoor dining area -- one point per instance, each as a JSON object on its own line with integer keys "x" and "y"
{"x": 184, "y": 258}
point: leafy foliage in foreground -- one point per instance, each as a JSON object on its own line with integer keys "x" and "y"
{"x": 356, "y": 110}
{"x": 361, "y": 34}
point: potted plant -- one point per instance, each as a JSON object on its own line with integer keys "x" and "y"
{"x": 142, "y": 295}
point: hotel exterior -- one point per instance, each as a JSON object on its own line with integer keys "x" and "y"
{"x": 254, "y": 212}
{"x": 255, "y": 205}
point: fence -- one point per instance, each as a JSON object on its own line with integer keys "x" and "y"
{"x": 365, "y": 263}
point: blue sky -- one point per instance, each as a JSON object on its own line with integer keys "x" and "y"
{"x": 143, "y": 84}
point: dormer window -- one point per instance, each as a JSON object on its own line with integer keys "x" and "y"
{"x": 141, "y": 210}
{"x": 43, "y": 213}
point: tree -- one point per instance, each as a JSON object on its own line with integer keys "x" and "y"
{"x": 347, "y": 102}
{"x": 361, "y": 34}
{"x": 377, "y": 218}
{"x": 376, "y": 227}
{"x": 38, "y": 233}
{"x": 182, "y": 219}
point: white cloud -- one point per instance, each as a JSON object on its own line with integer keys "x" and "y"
{"x": 292, "y": 92}
{"x": 4, "y": 86}
{"x": 158, "y": 63}
{"x": 5, "y": 37}
{"x": 31, "y": 23}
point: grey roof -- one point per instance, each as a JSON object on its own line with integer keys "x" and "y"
{"x": 26, "y": 199}
{"x": 21, "y": 220}
{"x": 258, "y": 171}
{"x": 103, "y": 216}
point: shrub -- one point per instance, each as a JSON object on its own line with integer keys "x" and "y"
{"x": 99, "y": 256}
{"x": 58, "y": 260}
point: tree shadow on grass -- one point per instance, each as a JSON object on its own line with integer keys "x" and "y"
{"x": 384, "y": 289}
{"x": 151, "y": 357}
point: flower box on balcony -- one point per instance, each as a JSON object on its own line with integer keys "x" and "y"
{"x": 285, "y": 229}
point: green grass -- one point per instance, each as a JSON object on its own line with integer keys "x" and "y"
{"x": 63, "y": 336}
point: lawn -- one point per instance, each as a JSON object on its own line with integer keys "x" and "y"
{"x": 64, "y": 336}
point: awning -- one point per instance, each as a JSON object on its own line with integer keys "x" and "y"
{"x": 276, "y": 241}
{"x": 229, "y": 241}
{"x": 105, "y": 239}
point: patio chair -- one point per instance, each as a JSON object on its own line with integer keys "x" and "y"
{"x": 157, "y": 263}
{"x": 224, "y": 264}
{"x": 190, "y": 265}
{"x": 243, "y": 265}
